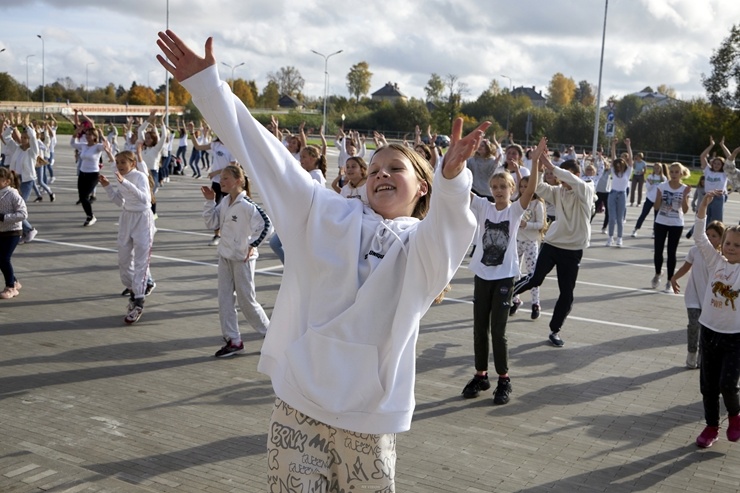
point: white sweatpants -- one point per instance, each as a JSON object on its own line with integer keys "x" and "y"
{"x": 135, "y": 238}
{"x": 528, "y": 251}
{"x": 236, "y": 282}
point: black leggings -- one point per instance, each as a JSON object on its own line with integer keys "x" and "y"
{"x": 86, "y": 183}
{"x": 567, "y": 264}
{"x": 7, "y": 247}
{"x": 491, "y": 304}
{"x": 602, "y": 198}
{"x": 673, "y": 233}
{"x": 719, "y": 374}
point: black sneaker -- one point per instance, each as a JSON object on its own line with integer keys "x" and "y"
{"x": 535, "y": 312}
{"x": 556, "y": 340}
{"x": 503, "y": 389}
{"x": 475, "y": 385}
{"x": 230, "y": 350}
{"x": 149, "y": 288}
{"x": 514, "y": 306}
{"x": 127, "y": 292}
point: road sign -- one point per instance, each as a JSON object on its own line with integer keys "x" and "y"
{"x": 610, "y": 116}
{"x": 609, "y": 130}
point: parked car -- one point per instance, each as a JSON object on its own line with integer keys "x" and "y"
{"x": 442, "y": 141}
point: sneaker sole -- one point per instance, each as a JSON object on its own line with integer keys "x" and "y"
{"x": 229, "y": 355}
{"x": 708, "y": 444}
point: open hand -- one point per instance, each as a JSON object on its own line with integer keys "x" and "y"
{"x": 208, "y": 193}
{"x": 183, "y": 62}
{"x": 461, "y": 148}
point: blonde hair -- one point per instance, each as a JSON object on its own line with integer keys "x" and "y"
{"x": 423, "y": 171}
{"x": 685, "y": 173}
{"x": 505, "y": 176}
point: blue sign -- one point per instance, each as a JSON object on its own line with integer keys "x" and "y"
{"x": 610, "y": 116}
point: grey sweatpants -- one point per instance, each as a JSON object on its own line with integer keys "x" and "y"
{"x": 236, "y": 282}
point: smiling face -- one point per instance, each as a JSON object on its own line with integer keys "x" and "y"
{"x": 716, "y": 164}
{"x": 229, "y": 182}
{"x": 355, "y": 173}
{"x": 308, "y": 161}
{"x": 731, "y": 245}
{"x": 393, "y": 186}
{"x": 294, "y": 145}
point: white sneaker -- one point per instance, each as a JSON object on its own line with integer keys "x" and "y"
{"x": 692, "y": 360}
{"x": 215, "y": 241}
{"x": 619, "y": 242}
{"x": 656, "y": 281}
{"x": 610, "y": 241}
{"x": 603, "y": 231}
{"x": 634, "y": 234}
{"x": 90, "y": 221}
{"x": 31, "y": 235}
{"x": 668, "y": 288}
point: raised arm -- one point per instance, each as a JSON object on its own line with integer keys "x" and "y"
{"x": 526, "y": 197}
{"x": 628, "y": 143}
{"x": 704, "y": 157}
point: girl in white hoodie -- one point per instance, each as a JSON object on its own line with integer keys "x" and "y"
{"x": 357, "y": 279}
{"x": 243, "y": 225}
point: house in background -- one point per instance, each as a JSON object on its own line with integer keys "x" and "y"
{"x": 538, "y": 100}
{"x": 648, "y": 96}
{"x": 286, "y": 101}
{"x": 389, "y": 92}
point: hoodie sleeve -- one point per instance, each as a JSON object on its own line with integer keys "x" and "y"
{"x": 211, "y": 215}
{"x": 288, "y": 192}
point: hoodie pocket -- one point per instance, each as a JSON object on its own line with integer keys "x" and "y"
{"x": 336, "y": 375}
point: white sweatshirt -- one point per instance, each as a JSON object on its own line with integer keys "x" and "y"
{"x": 342, "y": 339}
{"x": 572, "y": 228}
{"x": 243, "y": 224}
{"x": 23, "y": 162}
{"x": 133, "y": 193}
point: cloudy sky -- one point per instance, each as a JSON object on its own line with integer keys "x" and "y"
{"x": 648, "y": 42}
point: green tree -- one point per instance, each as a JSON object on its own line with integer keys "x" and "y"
{"x": 574, "y": 125}
{"x": 288, "y": 81}
{"x": 561, "y": 90}
{"x": 10, "y": 89}
{"x": 628, "y": 108}
{"x": 434, "y": 88}
{"x": 585, "y": 93}
{"x": 270, "y": 95}
{"x": 358, "y": 79}
{"x": 723, "y": 85}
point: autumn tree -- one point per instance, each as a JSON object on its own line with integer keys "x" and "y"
{"x": 561, "y": 90}
{"x": 243, "y": 91}
{"x": 288, "y": 81}
{"x": 179, "y": 96}
{"x": 585, "y": 93}
{"x": 667, "y": 91}
{"x": 723, "y": 85}
{"x": 141, "y": 95}
{"x": 435, "y": 88}
{"x": 358, "y": 80}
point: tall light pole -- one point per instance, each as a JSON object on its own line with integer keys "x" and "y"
{"x": 167, "y": 76}
{"x": 232, "y": 71}
{"x": 87, "y": 86}
{"x": 28, "y": 88}
{"x": 43, "y": 82}
{"x": 508, "y": 111}
{"x": 598, "y": 90}
{"x": 326, "y": 79}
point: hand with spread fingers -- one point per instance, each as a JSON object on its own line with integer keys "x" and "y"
{"x": 179, "y": 59}
{"x": 461, "y": 148}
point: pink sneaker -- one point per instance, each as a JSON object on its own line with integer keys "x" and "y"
{"x": 707, "y": 437}
{"x": 733, "y": 429}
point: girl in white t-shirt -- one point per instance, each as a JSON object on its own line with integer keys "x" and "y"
{"x": 720, "y": 329}
{"x": 695, "y": 288}
{"x": 658, "y": 176}
{"x": 671, "y": 202}
{"x": 355, "y": 175}
{"x": 315, "y": 163}
{"x": 495, "y": 264}
{"x": 621, "y": 170}
{"x": 531, "y": 230}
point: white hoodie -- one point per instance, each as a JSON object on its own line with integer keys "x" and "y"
{"x": 342, "y": 339}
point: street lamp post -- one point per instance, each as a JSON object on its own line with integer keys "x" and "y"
{"x": 28, "y": 88}
{"x": 232, "y": 72}
{"x": 167, "y": 75}
{"x": 598, "y": 90}
{"x": 326, "y": 79}
{"x": 508, "y": 111}
{"x": 87, "y": 86}
{"x": 43, "y": 82}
